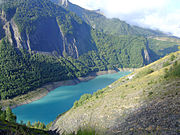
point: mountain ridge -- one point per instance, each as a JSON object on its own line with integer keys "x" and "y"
{"x": 102, "y": 23}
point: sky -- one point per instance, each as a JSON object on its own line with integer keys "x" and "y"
{"x": 163, "y": 15}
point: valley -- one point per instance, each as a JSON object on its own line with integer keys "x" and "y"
{"x": 36, "y": 54}
{"x": 49, "y": 107}
{"x": 55, "y": 51}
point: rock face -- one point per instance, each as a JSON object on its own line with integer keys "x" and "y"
{"x": 63, "y": 2}
{"x": 144, "y": 104}
{"x": 48, "y": 33}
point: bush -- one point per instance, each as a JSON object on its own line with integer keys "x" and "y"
{"x": 145, "y": 72}
{"x": 82, "y": 99}
{"x": 97, "y": 93}
{"x": 85, "y": 132}
{"x": 165, "y": 64}
{"x": 173, "y": 57}
{"x": 150, "y": 93}
{"x": 174, "y": 71}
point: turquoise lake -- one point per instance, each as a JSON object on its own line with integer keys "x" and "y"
{"x": 61, "y": 99}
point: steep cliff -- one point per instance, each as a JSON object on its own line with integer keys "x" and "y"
{"x": 43, "y": 27}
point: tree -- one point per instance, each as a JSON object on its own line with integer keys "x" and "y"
{"x": 28, "y": 124}
{"x": 36, "y": 124}
{"x": 42, "y": 126}
{"x": 3, "y": 115}
{"x": 49, "y": 125}
{"x": 1, "y": 110}
{"x": 9, "y": 115}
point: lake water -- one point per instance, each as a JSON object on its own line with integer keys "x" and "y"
{"x": 61, "y": 99}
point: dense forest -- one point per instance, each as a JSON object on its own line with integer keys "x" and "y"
{"x": 21, "y": 71}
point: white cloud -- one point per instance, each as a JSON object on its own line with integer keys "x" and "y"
{"x": 157, "y": 14}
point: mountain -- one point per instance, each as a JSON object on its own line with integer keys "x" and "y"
{"x": 40, "y": 25}
{"x": 111, "y": 26}
{"x": 144, "y": 102}
{"x": 41, "y": 42}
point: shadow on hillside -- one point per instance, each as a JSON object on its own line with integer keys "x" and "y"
{"x": 159, "y": 118}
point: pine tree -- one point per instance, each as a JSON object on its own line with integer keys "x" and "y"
{"x": 3, "y": 115}
{"x": 28, "y": 124}
{"x": 36, "y": 124}
{"x": 9, "y": 115}
{"x": 42, "y": 125}
{"x": 48, "y": 125}
{"x": 1, "y": 110}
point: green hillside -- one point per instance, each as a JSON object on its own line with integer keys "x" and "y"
{"x": 32, "y": 54}
{"x": 9, "y": 128}
{"x": 144, "y": 102}
{"x": 21, "y": 71}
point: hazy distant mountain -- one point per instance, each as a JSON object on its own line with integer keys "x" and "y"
{"x": 112, "y": 26}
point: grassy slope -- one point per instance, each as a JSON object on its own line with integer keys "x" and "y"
{"x": 146, "y": 104}
{"x": 7, "y": 128}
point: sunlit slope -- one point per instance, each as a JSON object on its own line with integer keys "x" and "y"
{"x": 144, "y": 102}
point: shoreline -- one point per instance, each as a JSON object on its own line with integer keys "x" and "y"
{"x": 45, "y": 89}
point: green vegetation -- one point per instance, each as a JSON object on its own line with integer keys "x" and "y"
{"x": 82, "y": 99}
{"x": 172, "y": 57}
{"x": 173, "y": 71}
{"x": 9, "y": 128}
{"x": 29, "y": 12}
{"x": 165, "y": 64}
{"x": 111, "y": 26}
{"x": 39, "y": 125}
{"x": 86, "y": 97}
{"x": 85, "y": 132}
{"x": 23, "y": 71}
{"x": 146, "y": 103}
{"x": 162, "y": 47}
{"x": 120, "y": 51}
{"x": 7, "y": 115}
{"x": 145, "y": 72}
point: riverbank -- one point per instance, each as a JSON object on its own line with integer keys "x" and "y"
{"x": 44, "y": 90}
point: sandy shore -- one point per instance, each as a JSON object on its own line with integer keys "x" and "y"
{"x": 44, "y": 90}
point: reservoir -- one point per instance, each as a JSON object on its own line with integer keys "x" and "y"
{"x": 61, "y": 99}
